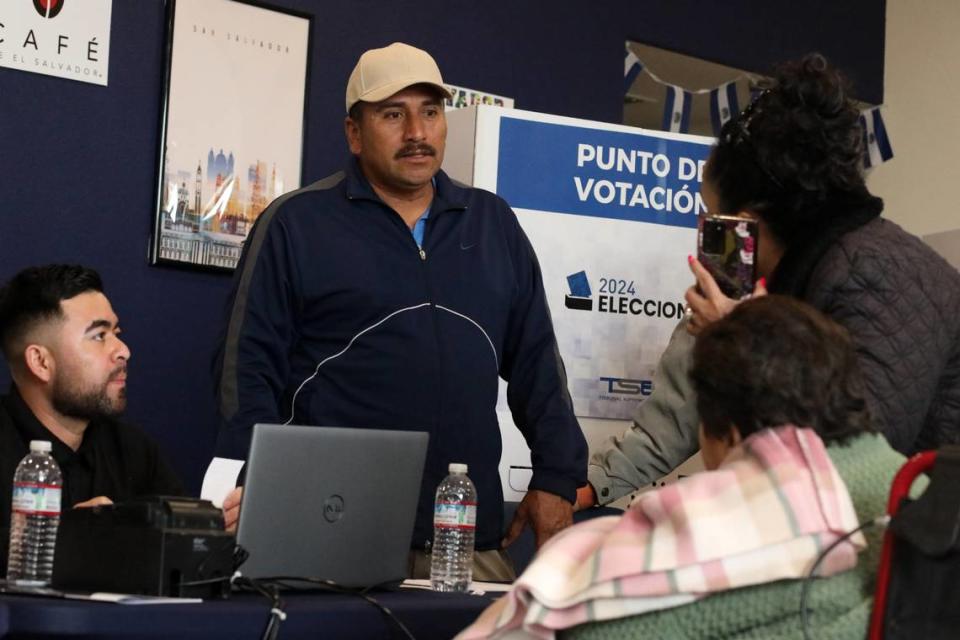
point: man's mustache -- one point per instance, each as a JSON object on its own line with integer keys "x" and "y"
{"x": 415, "y": 149}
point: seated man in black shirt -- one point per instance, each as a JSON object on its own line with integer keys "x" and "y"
{"x": 61, "y": 339}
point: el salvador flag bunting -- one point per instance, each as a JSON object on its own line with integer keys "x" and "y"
{"x": 676, "y": 109}
{"x": 876, "y": 144}
{"x": 631, "y": 69}
{"x": 723, "y": 105}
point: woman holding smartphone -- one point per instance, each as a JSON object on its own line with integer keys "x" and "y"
{"x": 792, "y": 161}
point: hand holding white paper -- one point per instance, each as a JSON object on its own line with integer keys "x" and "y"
{"x": 220, "y": 479}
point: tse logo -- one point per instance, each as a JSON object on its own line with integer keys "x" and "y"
{"x": 628, "y": 386}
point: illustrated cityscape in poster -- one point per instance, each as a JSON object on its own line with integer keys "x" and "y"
{"x": 208, "y": 212}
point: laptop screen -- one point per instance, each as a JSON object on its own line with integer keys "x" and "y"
{"x": 330, "y": 503}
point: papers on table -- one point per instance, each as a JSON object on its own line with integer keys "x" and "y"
{"x": 99, "y": 596}
{"x": 476, "y": 587}
{"x": 127, "y": 598}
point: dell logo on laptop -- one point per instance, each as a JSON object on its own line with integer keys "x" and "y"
{"x": 333, "y": 508}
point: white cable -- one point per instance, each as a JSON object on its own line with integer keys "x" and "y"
{"x": 293, "y": 402}
{"x": 751, "y": 78}
{"x": 496, "y": 360}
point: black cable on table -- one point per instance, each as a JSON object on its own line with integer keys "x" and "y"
{"x": 330, "y": 585}
{"x": 269, "y": 588}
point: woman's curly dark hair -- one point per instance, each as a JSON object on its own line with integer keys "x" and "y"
{"x": 798, "y": 145}
{"x": 774, "y": 361}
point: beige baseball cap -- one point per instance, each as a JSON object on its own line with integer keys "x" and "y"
{"x": 380, "y": 73}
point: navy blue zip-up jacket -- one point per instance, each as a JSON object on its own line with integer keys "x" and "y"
{"x": 339, "y": 319}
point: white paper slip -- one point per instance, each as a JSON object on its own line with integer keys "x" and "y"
{"x": 220, "y": 479}
{"x": 475, "y": 586}
{"x": 129, "y": 598}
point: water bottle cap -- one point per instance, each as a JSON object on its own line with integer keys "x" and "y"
{"x": 40, "y": 445}
{"x": 457, "y": 468}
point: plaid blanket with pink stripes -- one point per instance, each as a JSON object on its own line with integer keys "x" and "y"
{"x": 764, "y": 515}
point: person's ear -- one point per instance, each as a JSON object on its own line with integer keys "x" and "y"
{"x": 39, "y": 361}
{"x": 352, "y": 130}
{"x": 733, "y": 437}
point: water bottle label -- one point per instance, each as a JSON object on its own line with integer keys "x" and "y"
{"x": 455, "y": 514}
{"x": 31, "y": 498}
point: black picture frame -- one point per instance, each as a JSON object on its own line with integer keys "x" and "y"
{"x": 233, "y": 126}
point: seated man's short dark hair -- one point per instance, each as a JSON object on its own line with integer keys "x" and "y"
{"x": 775, "y": 361}
{"x": 34, "y": 295}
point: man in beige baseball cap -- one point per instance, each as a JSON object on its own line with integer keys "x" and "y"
{"x": 396, "y": 125}
{"x": 389, "y": 296}
{"x": 380, "y": 73}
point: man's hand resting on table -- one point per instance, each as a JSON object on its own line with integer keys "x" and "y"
{"x": 546, "y": 514}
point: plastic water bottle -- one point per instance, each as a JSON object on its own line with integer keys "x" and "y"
{"x": 454, "y": 526}
{"x": 36, "y": 515}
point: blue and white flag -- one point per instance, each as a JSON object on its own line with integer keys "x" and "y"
{"x": 723, "y": 105}
{"x": 676, "y": 109}
{"x": 631, "y": 69}
{"x": 876, "y": 144}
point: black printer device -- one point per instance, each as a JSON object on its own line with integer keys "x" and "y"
{"x": 153, "y": 546}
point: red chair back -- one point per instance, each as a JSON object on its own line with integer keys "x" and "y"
{"x": 900, "y": 489}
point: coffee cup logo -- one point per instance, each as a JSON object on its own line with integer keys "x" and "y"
{"x": 48, "y": 8}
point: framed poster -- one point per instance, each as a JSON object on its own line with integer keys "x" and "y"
{"x": 232, "y": 131}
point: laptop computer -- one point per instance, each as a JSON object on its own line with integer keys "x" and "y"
{"x": 330, "y": 503}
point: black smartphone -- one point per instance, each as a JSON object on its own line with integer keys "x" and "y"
{"x": 727, "y": 247}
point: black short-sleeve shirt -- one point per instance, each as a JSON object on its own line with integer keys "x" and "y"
{"x": 115, "y": 459}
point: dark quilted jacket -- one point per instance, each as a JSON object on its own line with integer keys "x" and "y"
{"x": 900, "y": 301}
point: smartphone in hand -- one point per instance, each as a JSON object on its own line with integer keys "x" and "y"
{"x": 727, "y": 247}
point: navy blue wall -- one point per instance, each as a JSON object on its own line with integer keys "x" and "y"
{"x": 77, "y": 161}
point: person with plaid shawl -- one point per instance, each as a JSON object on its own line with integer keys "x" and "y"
{"x": 792, "y": 465}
